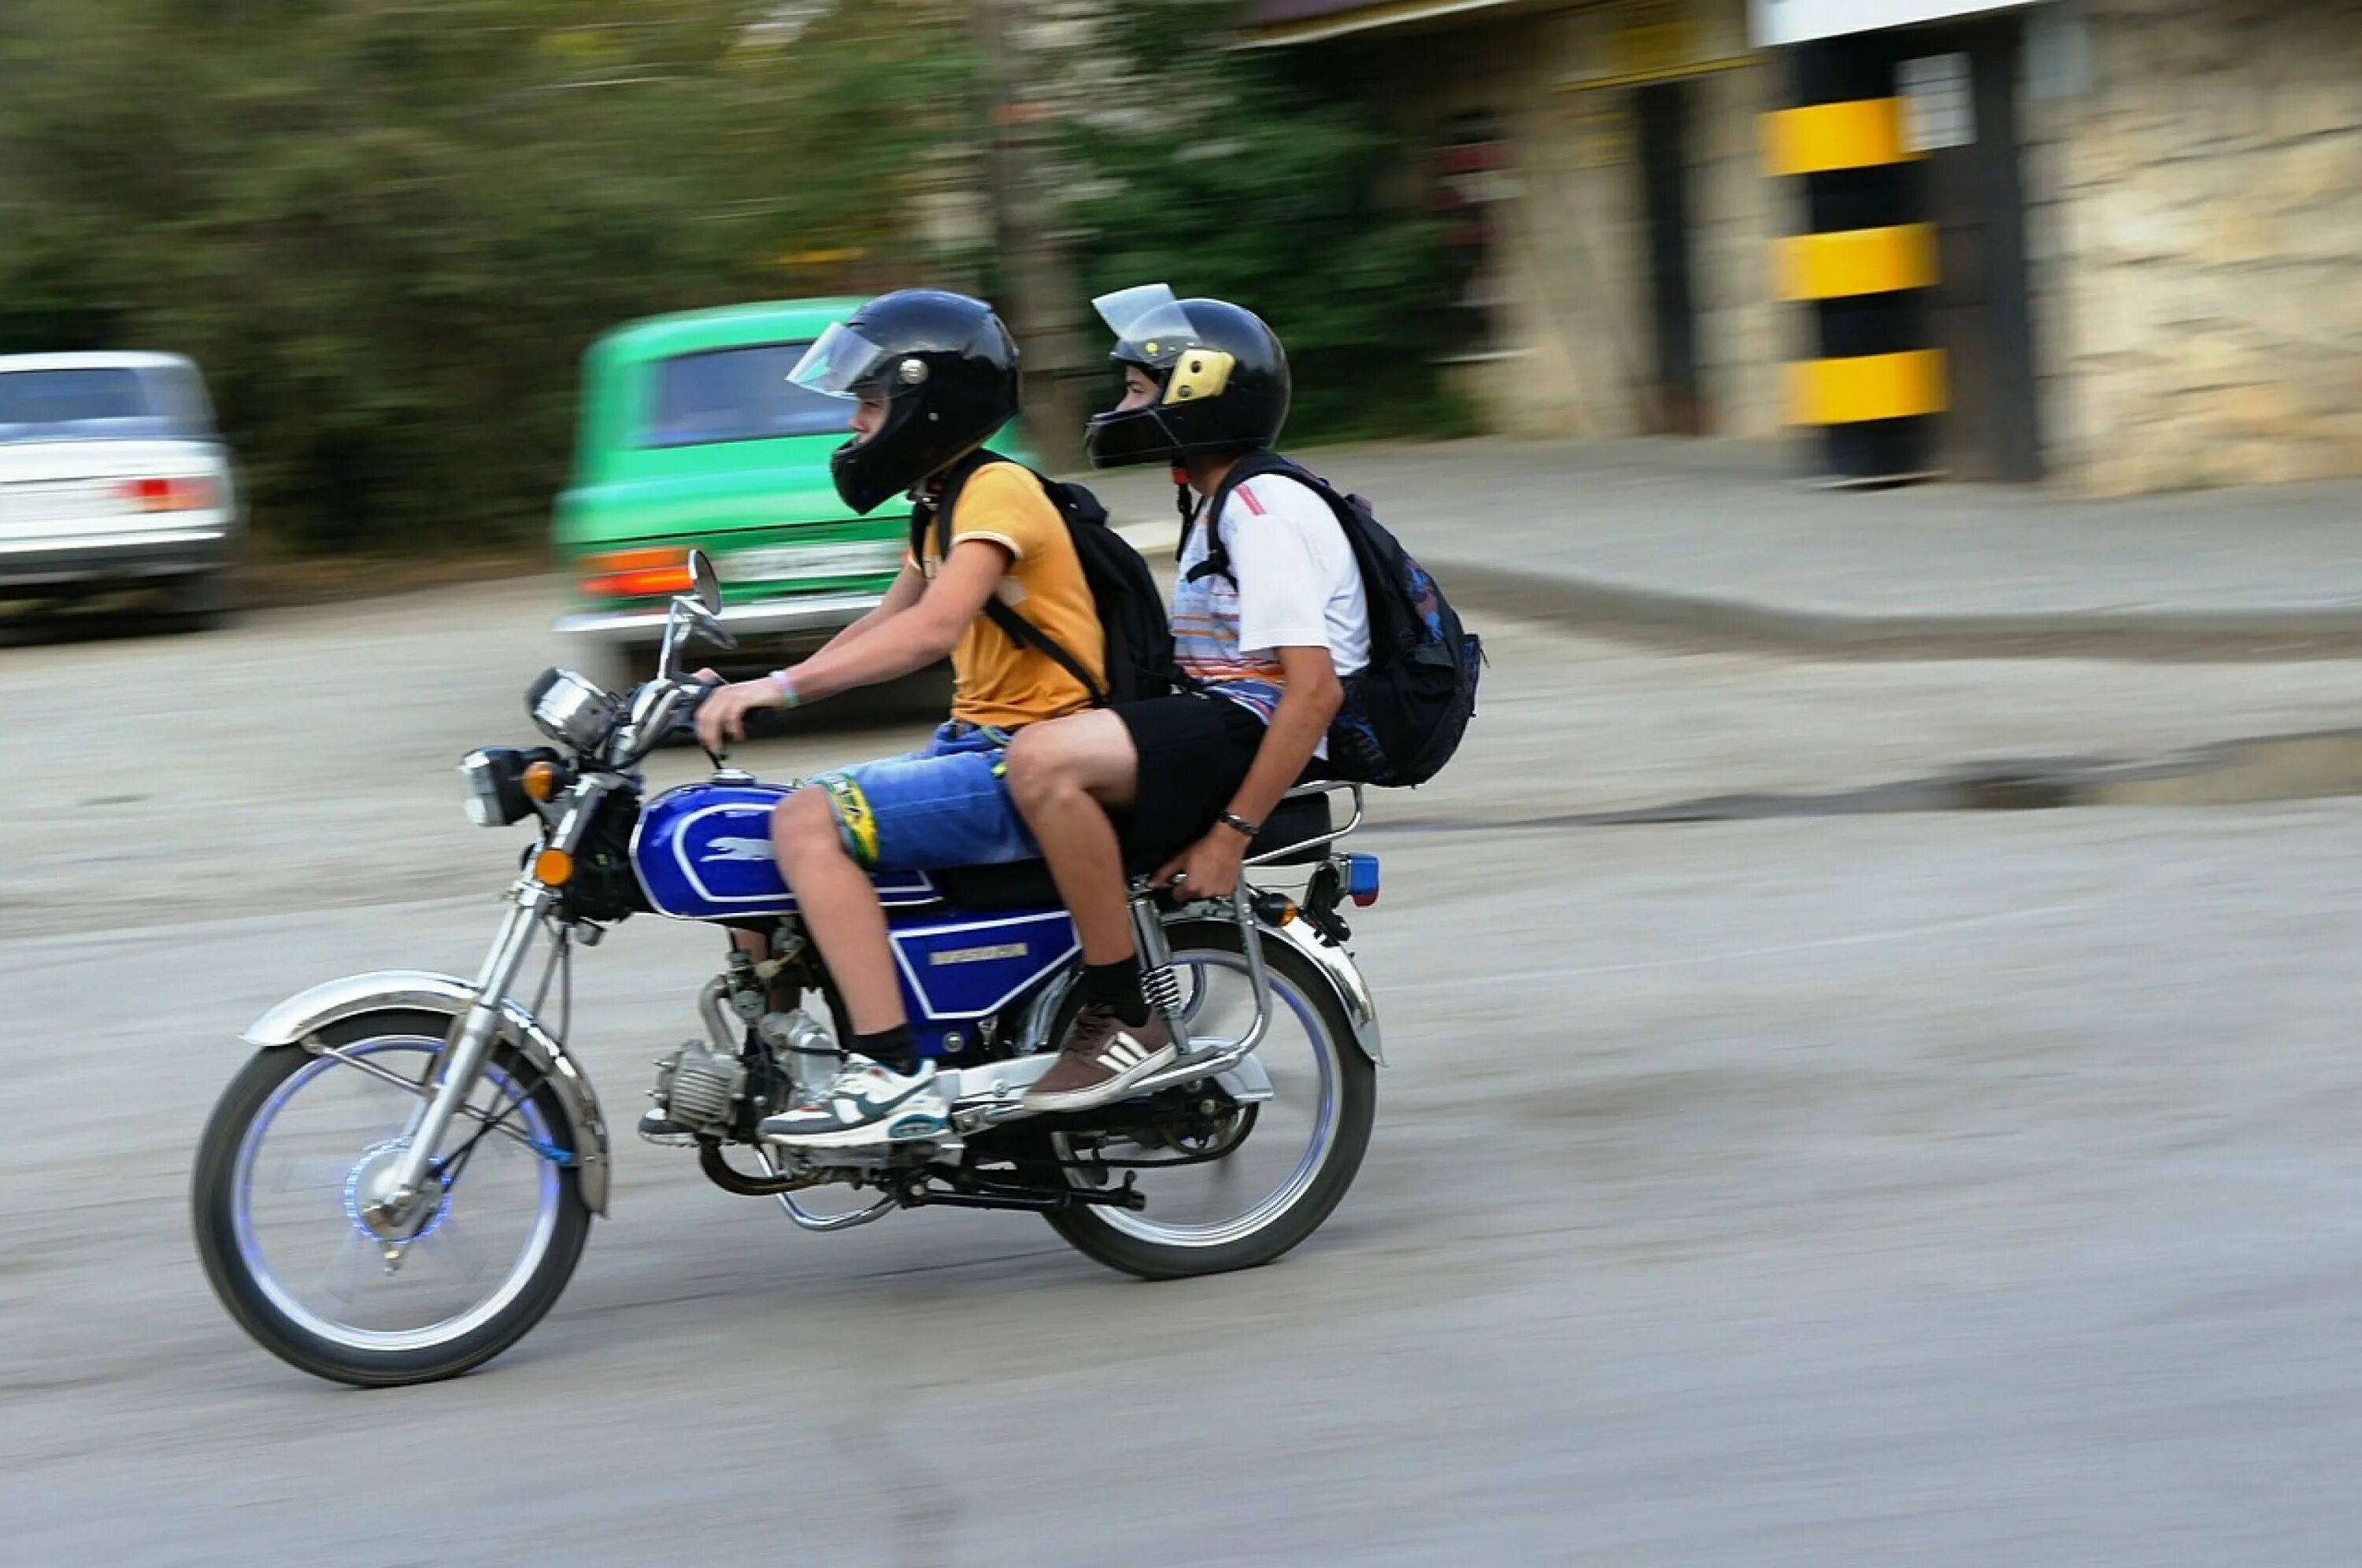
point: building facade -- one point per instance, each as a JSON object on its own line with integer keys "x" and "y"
{"x": 2113, "y": 246}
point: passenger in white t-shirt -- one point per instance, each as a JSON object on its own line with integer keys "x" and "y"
{"x": 1269, "y": 616}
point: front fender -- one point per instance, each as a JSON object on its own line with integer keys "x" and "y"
{"x": 1353, "y": 990}
{"x": 299, "y": 1018}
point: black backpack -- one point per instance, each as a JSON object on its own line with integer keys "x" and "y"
{"x": 1131, "y": 611}
{"x": 1403, "y": 714}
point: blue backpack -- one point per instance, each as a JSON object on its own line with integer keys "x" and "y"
{"x": 1403, "y": 716}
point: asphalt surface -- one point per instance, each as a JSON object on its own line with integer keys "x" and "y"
{"x": 1961, "y": 1188}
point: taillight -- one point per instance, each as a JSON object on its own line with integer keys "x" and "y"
{"x": 189, "y": 494}
{"x": 635, "y": 574}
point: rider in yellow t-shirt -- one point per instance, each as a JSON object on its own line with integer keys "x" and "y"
{"x": 932, "y": 376}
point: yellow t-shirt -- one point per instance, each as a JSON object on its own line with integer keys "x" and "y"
{"x": 999, "y": 681}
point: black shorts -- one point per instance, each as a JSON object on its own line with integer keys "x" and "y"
{"x": 1195, "y": 751}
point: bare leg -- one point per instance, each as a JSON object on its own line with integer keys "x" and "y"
{"x": 1064, "y": 776}
{"x": 841, "y": 911}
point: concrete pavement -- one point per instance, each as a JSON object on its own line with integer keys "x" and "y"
{"x": 1715, "y": 543}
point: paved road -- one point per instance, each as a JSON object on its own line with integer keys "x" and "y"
{"x": 1948, "y": 1188}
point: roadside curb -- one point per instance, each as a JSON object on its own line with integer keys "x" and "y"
{"x": 1633, "y": 613}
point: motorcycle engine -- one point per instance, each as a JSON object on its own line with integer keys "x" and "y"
{"x": 698, "y": 1088}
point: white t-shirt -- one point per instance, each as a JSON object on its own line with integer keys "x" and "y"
{"x": 1299, "y": 586}
{"x": 1296, "y": 586}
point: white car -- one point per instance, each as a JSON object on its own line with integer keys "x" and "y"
{"x": 114, "y": 483}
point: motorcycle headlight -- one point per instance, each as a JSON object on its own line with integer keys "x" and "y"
{"x": 494, "y": 776}
{"x": 569, "y": 710}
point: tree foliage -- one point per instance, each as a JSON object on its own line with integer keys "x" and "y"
{"x": 388, "y": 228}
{"x": 1250, "y": 178}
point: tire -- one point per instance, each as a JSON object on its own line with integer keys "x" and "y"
{"x": 1101, "y": 1234}
{"x": 206, "y": 602}
{"x": 214, "y": 1198}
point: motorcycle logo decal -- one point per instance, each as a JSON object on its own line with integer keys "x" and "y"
{"x": 740, "y": 849}
{"x": 979, "y": 954}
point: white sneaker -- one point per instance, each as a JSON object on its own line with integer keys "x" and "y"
{"x": 868, "y": 1104}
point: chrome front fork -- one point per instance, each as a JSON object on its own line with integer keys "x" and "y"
{"x": 469, "y": 1045}
{"x": 463, "y": 1055}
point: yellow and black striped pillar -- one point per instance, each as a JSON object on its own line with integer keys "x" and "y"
{"x": 1866, "y": 262}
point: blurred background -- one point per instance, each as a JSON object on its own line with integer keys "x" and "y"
{"x": 2056, "y": 241}
{"x": 388, "y": 233}
{"x": 1872, "y": 1037}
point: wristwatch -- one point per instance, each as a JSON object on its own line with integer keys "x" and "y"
{"x": 1232, "y": 820}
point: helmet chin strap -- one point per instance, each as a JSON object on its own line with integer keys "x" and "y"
{"x": 1184, "y": 498}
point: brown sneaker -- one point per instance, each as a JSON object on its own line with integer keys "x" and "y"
{"x": 1102, "y": 1059}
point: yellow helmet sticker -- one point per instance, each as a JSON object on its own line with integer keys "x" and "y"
{"x": 1199, "y": 373}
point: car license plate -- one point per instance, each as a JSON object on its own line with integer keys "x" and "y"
{"x": 790, "y": 563}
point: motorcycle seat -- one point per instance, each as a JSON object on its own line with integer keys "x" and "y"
{"x": 1026, "y": 884}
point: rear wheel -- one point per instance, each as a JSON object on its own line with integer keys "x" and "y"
{"x": 1233, "y": 1185}
{"x": 291, "y": 1150}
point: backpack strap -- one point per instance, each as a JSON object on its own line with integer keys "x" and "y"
{"x": 933, "y": 506}
{"x": 1387, "y": 622}
{"x": 1021, "y": 630}
{"x": 937, "y": 510}
{"x": 1254, "y": 465}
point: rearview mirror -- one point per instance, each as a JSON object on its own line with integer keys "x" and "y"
{"x": 705, "y": 581}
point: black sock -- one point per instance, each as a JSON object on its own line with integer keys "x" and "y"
{"x": 897, "y": 1048}
{"x": 1117, "y": 984}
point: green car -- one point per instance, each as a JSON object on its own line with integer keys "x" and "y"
{"x": 692, "y": 435}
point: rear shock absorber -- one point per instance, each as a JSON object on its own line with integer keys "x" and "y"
{"x": 1158, "y": 984}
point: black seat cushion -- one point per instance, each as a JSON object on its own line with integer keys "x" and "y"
{"x": 1020, "y": 884}
{"x": 1026, "y": 884}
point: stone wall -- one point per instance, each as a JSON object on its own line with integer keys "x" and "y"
{"x": 2198, "y": 243}
{"x": 1746, "y": 336}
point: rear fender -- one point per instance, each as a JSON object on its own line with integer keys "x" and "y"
{"x": 299, "y": 1018}
{"x": 1345, "y": 977}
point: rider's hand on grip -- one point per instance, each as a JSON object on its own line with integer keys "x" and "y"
{"x": 722, "y": 708}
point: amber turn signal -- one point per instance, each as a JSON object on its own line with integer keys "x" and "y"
{"x": 553, "y": 867}
{"x": 1275, "y": 909}
{"x": 541, "y": 781}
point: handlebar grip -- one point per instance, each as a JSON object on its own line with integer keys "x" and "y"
{"x": 693, "y": 693}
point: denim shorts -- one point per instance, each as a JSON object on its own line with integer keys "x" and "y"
{"x": 947, "y": 805}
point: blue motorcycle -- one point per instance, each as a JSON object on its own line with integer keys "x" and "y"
{"x": 397, "y": 1185}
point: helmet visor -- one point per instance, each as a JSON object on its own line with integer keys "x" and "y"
{"x": 840, "y": 363}
{"x": 1147, "y": 317}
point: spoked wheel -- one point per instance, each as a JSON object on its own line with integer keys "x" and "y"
{"x": 283, "y": 1175}
{"x": 1231, "y": 1185}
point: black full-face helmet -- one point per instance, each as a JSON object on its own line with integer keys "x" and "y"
{"x": 948, "y": 370}
{"x": 1222, "y": 377}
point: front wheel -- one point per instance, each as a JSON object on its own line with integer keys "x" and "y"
{"x": 282, "y": 1228}
{"x": 1233, "y": 1186}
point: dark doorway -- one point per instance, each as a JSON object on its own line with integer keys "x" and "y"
{"x": 1661, "y": 110}
{"x": 1976, "y": 197}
